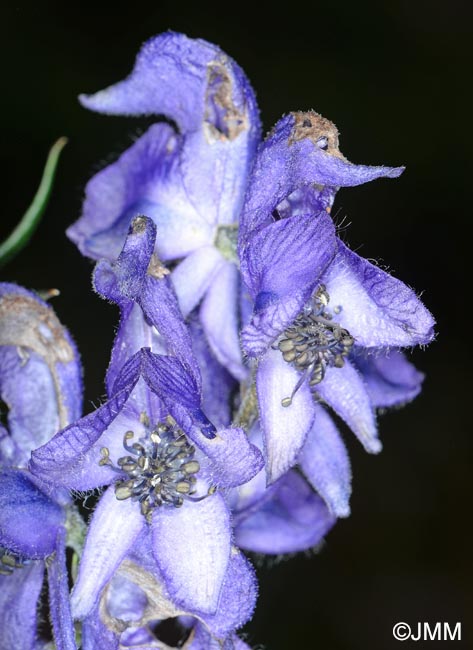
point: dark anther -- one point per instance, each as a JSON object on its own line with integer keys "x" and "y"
{"x": 314, "y": 342}
{"x": 307, "y": 123}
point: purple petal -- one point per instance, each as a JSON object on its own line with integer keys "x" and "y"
{"x": 29, "y": 520}
{"x": 377, "y": 309}
{"x": 290, "y": 158}
{"x": 391, "y": 380}
{"x": 217, "y": 383}
{"x": 179, "y": 391}
{"x": 192, "y": 548}
{"x": 324, "y": 460}
{"x": 284, "y": 428}
{"x": 234, "y": 460}
{"x": 40, "y": 373}
{"x": 95, "y": 634}
{"x": 272, "y": 318}
{"x": 59, "y": 605}
{"x": 294, "y": 518}
{"x": 66, "y": 460}
{"x": 344, "y": 390}
{"x": 125, "y": 600}
{"x": 137, "y": 276}
{"x": 288, "y": 255}
{"x": 19, "y": 595}
{"x": 219, "y": 316}
{"x": 237, "y": 598}
{"x": 114, "y": 528}
{"x": 206, "y": 93}
{"x": 146, "y": 179}
{"x": 193, "y": 276}
{"x": 181, "y": 78}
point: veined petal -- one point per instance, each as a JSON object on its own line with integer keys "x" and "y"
{"x": 192, "y": 548}
{"x": 271, "y": 317}
{"x": 391, "y": 380}
{"x": 284, "y": 428}
{"x": 193, "y": 276}
{"x": 65, "y": 460}
{"x": 294, "y": 518}
{"x": 377, "y": 309}
{"x": 19, "y": 595}
{"x": 29, "y": 520}
{"x": 288, "y": 255}
{"x": 179, "y": 391}
{"x": 344, "y": 390}
{"x": 324, "y": 461}
{"x": 59, "y": 606}
{"x": 302, "y": 149}
{"x": 114, "y": 527}
{"x": 219, "y": 316}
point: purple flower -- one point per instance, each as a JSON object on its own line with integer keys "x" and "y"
{"x": 166, "y": 465}
{"x": 315, "y": 312}
{"x": 196, "y": 179}
{"x": 40, "y": 382}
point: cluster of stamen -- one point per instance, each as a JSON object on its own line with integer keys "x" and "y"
{"x": 314, "y": 342}
{"x": 160, "y": 467}
{"x": 10, "y": 561}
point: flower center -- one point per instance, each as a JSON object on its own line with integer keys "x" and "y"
{"x": 10, "y": 561}
{"x": 314, "y": 342}
{"x": 160, "y": 468}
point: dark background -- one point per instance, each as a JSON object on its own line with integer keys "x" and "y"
{"x": 395, "y": 78}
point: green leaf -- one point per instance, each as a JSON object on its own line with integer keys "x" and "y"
{"x": 23, "y": 232}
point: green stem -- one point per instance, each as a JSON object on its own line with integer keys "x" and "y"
{"x": 28, "y": 224}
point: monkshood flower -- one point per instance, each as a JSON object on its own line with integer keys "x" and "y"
{"x": 192, "y": 179}
{"x": 40, "y": 382}
{"x": 166, "y": 466}
{"x": 134, "y": 606}
{"x": 317, "y": 304}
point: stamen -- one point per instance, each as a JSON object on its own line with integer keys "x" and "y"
{"x": 10, "y": 561}
{"x": 160, "y": 469}
{"x": 314, "y": 342}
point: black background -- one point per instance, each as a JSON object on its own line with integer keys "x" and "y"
{"x": 395, "y": 77}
